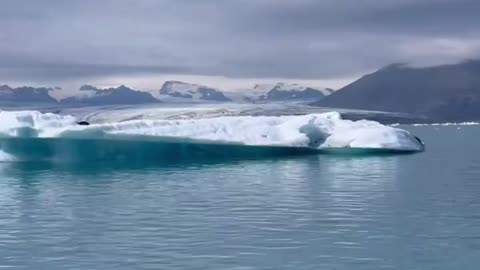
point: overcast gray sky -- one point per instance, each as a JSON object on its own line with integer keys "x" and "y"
{"x": 56, "y": 42}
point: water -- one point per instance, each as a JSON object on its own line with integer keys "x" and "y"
{"x": 306, "y": 212}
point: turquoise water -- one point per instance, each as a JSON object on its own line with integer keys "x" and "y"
{"x": 276, "y": 212}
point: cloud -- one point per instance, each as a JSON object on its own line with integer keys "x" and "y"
{"x": 55, "y": 40}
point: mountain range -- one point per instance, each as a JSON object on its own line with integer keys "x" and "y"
{"x": 439, "y": 93}
{"x": 190, "y": 91}
{"x": 91, "y": 95}
{"x": 171, "y": 91}
{"x": 285, "y": 92}
{"x": 26, "y": 94}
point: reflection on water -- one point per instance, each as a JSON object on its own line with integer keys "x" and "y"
{"x": 311, "y": 212}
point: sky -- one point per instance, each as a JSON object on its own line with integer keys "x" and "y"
{"x": 231, "y": 44}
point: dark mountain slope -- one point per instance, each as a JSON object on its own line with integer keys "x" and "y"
{"x": 121, "y": 95}
{"x": 21, "y": 95}
{"x": 444, "y": 93}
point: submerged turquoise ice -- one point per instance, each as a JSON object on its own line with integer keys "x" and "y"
{"x": 282, "y": 212}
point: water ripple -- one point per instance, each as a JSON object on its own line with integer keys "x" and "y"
{"x": 396, "y": 212}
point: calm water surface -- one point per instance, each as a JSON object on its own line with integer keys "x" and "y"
{"x": 313, "y": 212}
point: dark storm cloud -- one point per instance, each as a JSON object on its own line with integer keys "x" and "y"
{"x": 53, "y": 39}
{"x": 379, "y": 16}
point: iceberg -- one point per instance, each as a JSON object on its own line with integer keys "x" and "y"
{"x": 324, "y": 131}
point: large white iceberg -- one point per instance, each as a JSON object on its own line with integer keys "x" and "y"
{"x": 318, "y": 131}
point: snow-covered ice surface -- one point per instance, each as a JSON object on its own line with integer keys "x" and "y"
{"x": 191, "y": 111}
{"x": 317, "y": 131}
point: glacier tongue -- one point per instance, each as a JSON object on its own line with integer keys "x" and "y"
{"x": 325, "y": 130}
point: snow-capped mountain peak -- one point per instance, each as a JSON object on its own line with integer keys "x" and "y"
{"x": 179, "y": 89}
{"x": 26, "y": 94}
{"x": 91, "y": 95}
{"x": 285, "y": 92}
{"x": 190, "y": 91}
